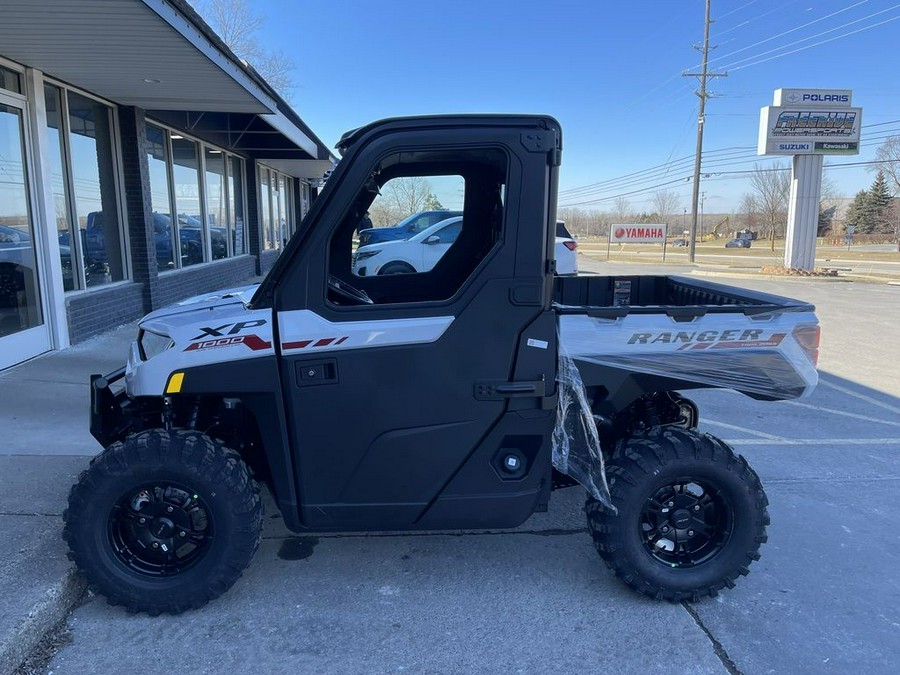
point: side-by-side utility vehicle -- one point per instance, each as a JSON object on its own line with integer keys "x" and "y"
{"x": 455, "y": 398}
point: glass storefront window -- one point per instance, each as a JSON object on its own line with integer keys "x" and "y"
{"x": 283, "y": 232}
{"x": 236, "y": 205}
{"x": 10, "y": 80}
{"x": 94, "y": 196}
{"x": 304, "y": 199}
{"x": 20, "y": 301}
{"x": 64, "y": 229}
{"x": 186, "y": 178}
{"x": 216, "y": 215}
{"x": 160, "y": 198}
{"x": 265, "y": 213}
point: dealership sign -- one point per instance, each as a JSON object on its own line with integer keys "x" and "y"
{"x": 820, "y": 98}
{"x": 810, "y": 122}
{"x": 638, "y": 234}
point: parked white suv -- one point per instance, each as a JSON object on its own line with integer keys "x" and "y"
{"x": 566, "y": 250}
{"x": 416, "y": 254}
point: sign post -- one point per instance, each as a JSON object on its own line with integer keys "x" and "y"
{"x": 807, "y": 124}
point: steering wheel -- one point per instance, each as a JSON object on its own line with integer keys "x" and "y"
{"x": 344, "y": 290}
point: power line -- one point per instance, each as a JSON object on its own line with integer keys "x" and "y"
{"x": 788, "y": 32}
{"x": 800, "y": 49}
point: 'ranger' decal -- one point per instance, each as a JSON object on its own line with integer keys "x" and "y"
{"x": 749, "y": 335}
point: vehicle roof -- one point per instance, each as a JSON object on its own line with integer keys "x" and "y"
{"x": 467, "y": 120}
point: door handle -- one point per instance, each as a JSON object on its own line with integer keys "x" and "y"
{"x": 497, "y": 390}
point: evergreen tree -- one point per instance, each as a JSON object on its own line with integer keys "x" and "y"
{"x": 860, "y": 213}
{"x": 880, "y": 201}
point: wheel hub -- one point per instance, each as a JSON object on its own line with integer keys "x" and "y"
{"x": 160, "y": 530}
{"x": 680, "y": 519}
{"x": 686, "y": 523}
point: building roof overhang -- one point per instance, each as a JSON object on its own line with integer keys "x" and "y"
{"x": 158, "y": 55}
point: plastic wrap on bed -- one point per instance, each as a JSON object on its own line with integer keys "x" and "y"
{"x": 576, "y": 445}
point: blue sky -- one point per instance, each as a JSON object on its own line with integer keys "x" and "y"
{"x": 609, "y": 72}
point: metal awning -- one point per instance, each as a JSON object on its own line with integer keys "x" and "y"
{"x": 153, "y": 54}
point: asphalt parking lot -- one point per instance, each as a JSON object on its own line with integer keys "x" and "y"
{"x": 824, "y": 598}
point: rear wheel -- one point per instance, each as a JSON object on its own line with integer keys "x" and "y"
{"x": 691, "y": 515}
{"x": 164, "y": 521}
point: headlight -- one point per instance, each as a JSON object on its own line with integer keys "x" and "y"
{"x": 152, "y": 344}
{"x": 366, "y": 254}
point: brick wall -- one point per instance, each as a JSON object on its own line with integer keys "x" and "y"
{"x": 103, "y": 309}
{"x": 266, "y": 260}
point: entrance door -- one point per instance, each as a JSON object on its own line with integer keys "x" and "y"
{"x": 23, "y": 325}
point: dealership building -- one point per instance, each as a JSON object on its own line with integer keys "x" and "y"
{"x": 141, "y": 162}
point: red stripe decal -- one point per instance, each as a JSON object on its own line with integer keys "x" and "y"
{"x": 323, "y": 342}
{"x": 296, "y": 345}
{"x": 342, "y": 340}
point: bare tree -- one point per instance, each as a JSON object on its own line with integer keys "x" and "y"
{"x": 772, "y": 187}
{"x": 238, "y": 24}
{"x": 891, "y": 215}
{"x": 666, "y": 203}
{"x": 888, "y": 160}
{"x": 621, "y": 209}
{"x": 750, "y": 211}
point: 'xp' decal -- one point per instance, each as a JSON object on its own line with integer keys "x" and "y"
{"x": 235, "y": 328}
{"x": 254, "y": 342}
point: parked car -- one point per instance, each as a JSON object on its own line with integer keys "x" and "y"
{"x": 680, "y": 243}
{"x": 738, "y": 243}
{"x": 17, "y": 261}
{"x": 406, "y": 228}
{"x": 93, "y": 241}
{"x": 420, "y": 253}
{"x": 566, "y": 250}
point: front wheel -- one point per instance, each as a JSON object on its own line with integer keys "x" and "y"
{"x": 691, "y": 515}
{"x": 164, "y": 521}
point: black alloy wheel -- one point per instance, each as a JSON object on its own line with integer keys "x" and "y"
{"x": 686, "y": 523}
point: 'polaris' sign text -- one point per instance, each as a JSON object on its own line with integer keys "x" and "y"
{"x": 654, "y": 233}
{"x": 818, "y": 98}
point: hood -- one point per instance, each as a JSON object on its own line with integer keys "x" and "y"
{"x": 231, "y": 296}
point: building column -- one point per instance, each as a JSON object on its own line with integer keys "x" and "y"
{"x": 138, "y": 203}
{"x": 254, "y": 232}
{"x": 45, "y": 211}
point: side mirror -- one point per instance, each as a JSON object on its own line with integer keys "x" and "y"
{"x": 433, "y": 239}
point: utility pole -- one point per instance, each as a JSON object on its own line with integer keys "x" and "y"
{"x": 701, "y": 93}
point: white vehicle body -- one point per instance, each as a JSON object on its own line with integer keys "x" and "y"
{"x": 565, "y": 250}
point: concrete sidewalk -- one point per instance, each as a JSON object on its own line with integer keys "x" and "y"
{"x": 44, "y": 406}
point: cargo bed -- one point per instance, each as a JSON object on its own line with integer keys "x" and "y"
{"x": 672, "y": 295}
{"x": 630, "y": 334}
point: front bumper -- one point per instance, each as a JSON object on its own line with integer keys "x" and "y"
{"x": 108, "y": 409}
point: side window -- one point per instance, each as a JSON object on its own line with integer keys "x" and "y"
{"x": 433, "y": 217}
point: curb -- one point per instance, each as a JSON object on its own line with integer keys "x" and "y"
{"x": 52, "y": 608}
{"x": 770, "y": 277}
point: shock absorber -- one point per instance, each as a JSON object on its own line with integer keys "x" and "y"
{"x": 194, "y": 417}
{"x": 651, "y": 411}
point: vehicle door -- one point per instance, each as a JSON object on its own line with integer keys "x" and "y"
{"x": 398, "y": 387}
